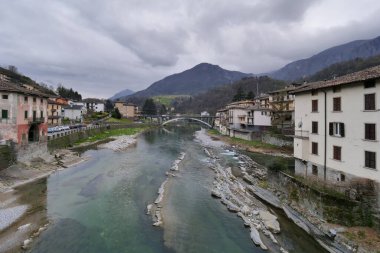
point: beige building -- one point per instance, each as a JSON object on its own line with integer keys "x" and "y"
{"x": 54, "y": 111}
{"x": 337, "y": 128}
{"x": 127, "y": 110}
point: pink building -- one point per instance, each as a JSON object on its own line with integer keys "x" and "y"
{"x": 23, "y": 117}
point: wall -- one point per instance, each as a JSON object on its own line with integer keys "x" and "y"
{"x": 277, "y": 140}
{"x": 7, "y": 156}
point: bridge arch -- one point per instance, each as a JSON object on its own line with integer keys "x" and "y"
{"x": 177, "y": 119}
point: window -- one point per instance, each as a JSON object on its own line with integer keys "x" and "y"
{"x": 4, "y": 96}
{"x": 337, "y": 104}
{"x": 314, "y": 92}
{"x": 314, "y": 148}
{"x": 336, "y": 129}
{"x": 369, "y": 102}
{"x": 314, "y": 105}
{"x": 34, "y": 100}
{"x": 337, "y": 153}
{"x": 25, "y": 99}
{"x": 370, "y": 131}
{"x": 26, "y": 114}
{"x": 314, "y": 127}
{"x": 4, "y": 114}
{"x": 42, "y": 114}
{"x": 342, "y": 177}
{"x": 42, "y": 101}
{"x": 369, "y": 84}
{"x": 370, "y": 159}
{"x": 314, "y": 170}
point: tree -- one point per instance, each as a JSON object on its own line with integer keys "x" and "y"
{"x": 13, "y": 69}
{"x": 108, "y": 106}
{"x": 240, "y": 95}
{"x": 116, "y": 114}
{"x": 163, "y": 110}
{"x": 250, "y": 95}
{"x": 149, "y": 107}
{"x": 68, "y": 93}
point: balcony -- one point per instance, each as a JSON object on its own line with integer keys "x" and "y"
{"x": 301, "y": 134}
{"x": 36, "y": 120}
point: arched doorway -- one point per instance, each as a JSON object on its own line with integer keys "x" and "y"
{"x": 33, "y": 134}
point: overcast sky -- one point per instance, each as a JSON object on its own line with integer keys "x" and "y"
{"x": 102, "y": 47}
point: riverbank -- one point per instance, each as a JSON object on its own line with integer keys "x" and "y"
{"x": 22, "y": 212}
{"x": 252, "y": 146}
{"x": 333, "y": 237}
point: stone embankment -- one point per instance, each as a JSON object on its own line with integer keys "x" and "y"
{"x": 155, "y": 208}
{"x": 243, "y": 195}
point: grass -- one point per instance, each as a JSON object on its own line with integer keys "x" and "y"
{"x": 168, "y": 99}
{"x": 213, "y": 132}
{"x": 255, "y": 144}
{"x": 111, "y": 133}
{"x": 122, "y": 120}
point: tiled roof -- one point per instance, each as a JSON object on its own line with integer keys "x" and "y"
{"x": 93, "y": 100}
{"x": 16, "y": 88}
{"x": 360, "y": 76}
{"x": 73, "y": 107}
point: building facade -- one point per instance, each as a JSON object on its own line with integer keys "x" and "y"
{"x": 337, "y": 124}
{"x": 73, "y": 112}
{"x": 23, "y": 114}
{"x": 94, "y": 104}
{"x": 54, "y": 112}
{"x": 127, "y": 110}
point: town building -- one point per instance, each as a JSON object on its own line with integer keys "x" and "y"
{"x": 23, "y": 114}
{"x": 127, "y": 110}
{"x": 73, "y": 112}
{"x": 94, "y": 105}
{"x": 244, "y": 119}
{"x": 281, "y": 102}
{"x": 54, "y": 112}
{"x": 337, "y": 125}
{"x": 263, "y": 101}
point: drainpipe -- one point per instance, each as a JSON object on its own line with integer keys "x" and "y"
{"x": 325, "y": 151}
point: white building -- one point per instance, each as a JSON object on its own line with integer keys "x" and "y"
{"x": 94, "y": 105}
{"x": 336, "y": 128}
{"x": 73, "y": 112}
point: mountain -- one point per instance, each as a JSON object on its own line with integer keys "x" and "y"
{"x": 121, "y": 94}
{"x": 304, "y": 68}
{"x": 193, "y": 81}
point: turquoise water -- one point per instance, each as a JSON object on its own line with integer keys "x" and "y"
{"x": 100, "y": 205}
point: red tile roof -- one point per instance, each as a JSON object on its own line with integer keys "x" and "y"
{"x": 16, "y": 88}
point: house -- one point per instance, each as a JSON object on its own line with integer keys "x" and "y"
{"x": 337, "y": 125}
{"x": 127, "y": 110}
{"x": 263, "y": 101}
{"x": 221, "y": 121}
{"x": 281, "y": 102}
{"x": 94, "y": 104}
{"x": 54, "y": 112}
{"x": 23, "y": 114}
{"x": 244, "y": 119}
{"x": 205, "y": 114}
{"x": 73, "y": 113}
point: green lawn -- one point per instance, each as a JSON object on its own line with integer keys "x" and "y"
{"x": 111, "y": 133}
{"x": 122, "y": 120}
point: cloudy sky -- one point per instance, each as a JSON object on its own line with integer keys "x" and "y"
{"x": 99, "y": 47}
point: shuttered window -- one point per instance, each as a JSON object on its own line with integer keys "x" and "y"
{"x": 314, "y": 148}
{"x": 370, "y": 131}
{"x": 336, "y": 129}
{"x": 4, "y": 114}
{"x": 314, "y": 127}
{"x": 370, "y": 159}
{"x": 314, "y": 105}
{"x": 337, "y": 105}
{"x": 369, "y": 102}
{"x": 337, "y": 153}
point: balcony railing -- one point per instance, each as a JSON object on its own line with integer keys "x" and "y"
{"x": 36, "y": 120}
{"x": 301, "y": 134}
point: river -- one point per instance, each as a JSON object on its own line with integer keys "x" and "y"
{"x": 100, "y": 205}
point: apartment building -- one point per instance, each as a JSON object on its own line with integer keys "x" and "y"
{"x": 23, "y": 114}
{"x": 337, "y": 125}
{"x": 127, "y": 110}
{"x": 94, "y": 104}
{"x": 54, "y": 112}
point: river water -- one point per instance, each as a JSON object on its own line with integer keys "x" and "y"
{"x": 100, "y": 205}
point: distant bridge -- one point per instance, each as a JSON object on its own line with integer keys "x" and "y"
{"x": 166, "y": 119}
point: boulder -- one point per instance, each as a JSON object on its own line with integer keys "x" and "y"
{"x": 270, "y": 221}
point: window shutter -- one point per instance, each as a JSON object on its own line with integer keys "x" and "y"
{"x": 331, "y": 128}
{"x": 342, "y": 130}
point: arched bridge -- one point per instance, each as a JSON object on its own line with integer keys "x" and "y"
{"x": 166, "y": 119}
{"x": 186, "y": 118}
